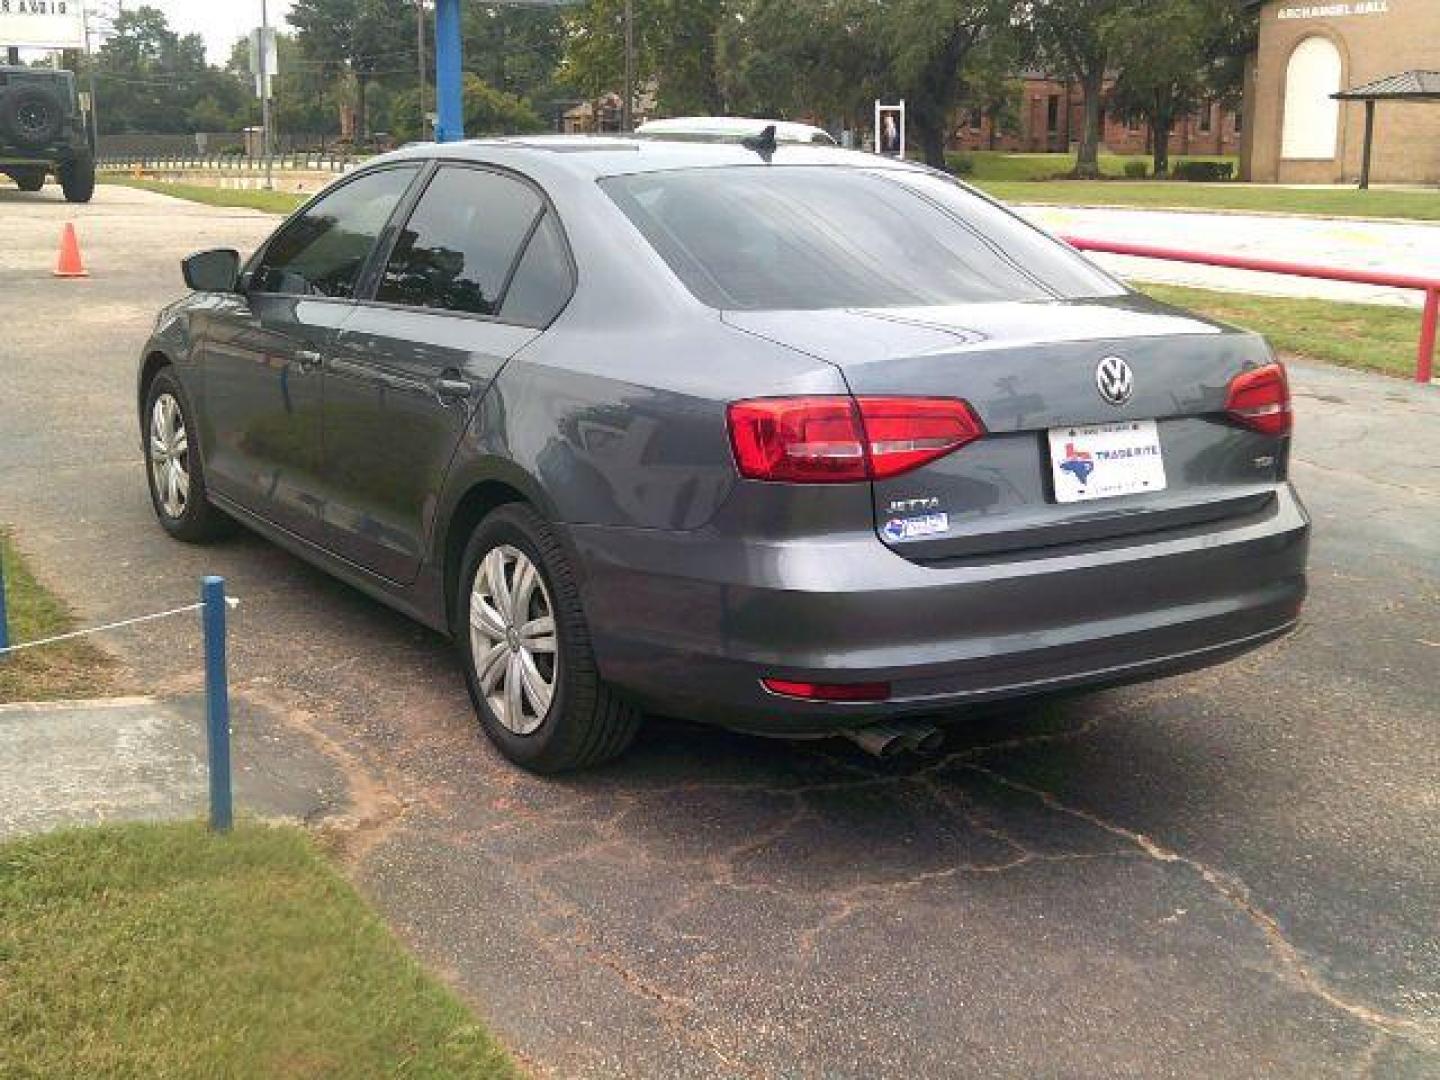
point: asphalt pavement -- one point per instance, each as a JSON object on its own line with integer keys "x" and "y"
{"x": 1235, "y": 873}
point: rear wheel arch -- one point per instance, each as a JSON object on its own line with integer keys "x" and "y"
{"x": 478, "y": 502}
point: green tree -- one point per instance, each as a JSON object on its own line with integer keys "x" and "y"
{"x": 675, "y": 48}
{"x": 1181, "y": 54}
{"x": 794, "y": 58}
{"x": 990, "y": 84}
{"x": 153, "y": 79}
{"x": 369, "y": 39}
{"x": 1075, "y": 39}
{"x": 931, "y": 40}
{"x": 516, "y": 49}
{"x": 488, "y": 111}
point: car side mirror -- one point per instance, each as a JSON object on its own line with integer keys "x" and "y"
{"x": 212, "y": 271}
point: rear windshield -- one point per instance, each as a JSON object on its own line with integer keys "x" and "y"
{"x": 769, "y": 238}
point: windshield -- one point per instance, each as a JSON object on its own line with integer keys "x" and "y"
{"x": 762, "y": 238}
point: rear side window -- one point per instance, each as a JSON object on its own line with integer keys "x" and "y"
{"x": 800, "y": 237}
{"x": 458, "y": 249}
{"x": 543, "y": 281}
{"x": 323, "y": 251}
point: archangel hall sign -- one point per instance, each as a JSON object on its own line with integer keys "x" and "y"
{"x": 42, "y": 24}
{"x": 1335, "y": 11}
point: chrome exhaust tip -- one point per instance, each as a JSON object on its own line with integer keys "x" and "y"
{"x": 886, "y": 740}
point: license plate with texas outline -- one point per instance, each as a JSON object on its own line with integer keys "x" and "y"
{"x": 1101, "y": 461}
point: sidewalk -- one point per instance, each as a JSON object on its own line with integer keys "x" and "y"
{"x": 1396, "y": 247}
{"x": 142, "y": 759}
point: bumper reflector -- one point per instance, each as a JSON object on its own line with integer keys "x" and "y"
{"x": 809, "y": 691}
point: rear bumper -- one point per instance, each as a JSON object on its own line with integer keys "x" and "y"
{"x": 44, "y": 157}
{"x": 689, "y": 623}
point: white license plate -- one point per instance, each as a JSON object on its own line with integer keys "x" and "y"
{"x": 1106, "y": 460}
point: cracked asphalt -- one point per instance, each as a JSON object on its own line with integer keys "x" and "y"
{"x": 1235, "y": 873}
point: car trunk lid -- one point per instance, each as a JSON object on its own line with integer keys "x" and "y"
{"x": 1030, "y": 369}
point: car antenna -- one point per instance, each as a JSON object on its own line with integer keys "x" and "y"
{"x": 763, "y": 144}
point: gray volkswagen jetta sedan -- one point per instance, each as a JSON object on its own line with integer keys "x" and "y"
{"x": 794, "y": 440}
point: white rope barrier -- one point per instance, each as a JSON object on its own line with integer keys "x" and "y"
{"x": 230, "y": 601}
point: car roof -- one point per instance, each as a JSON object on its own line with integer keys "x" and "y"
{"x": 598, "y": 156}
{"x": 735, "y": 126}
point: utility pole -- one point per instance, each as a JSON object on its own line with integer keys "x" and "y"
{"x": 627, "y": 110}
{"x": 90, "y": 73}
{"x": 424, "y": 77}
{"x": 265, "y": 118}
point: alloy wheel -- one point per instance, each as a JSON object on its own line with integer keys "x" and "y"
{"x": 512, "y": 639}
{"x": 170, "y": 456}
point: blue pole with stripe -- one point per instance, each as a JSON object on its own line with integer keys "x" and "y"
{"x": 217, "y": 705}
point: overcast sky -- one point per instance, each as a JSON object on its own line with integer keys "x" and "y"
{"x": 220, "y": 21}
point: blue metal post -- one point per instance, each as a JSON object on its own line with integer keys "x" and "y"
{"x": 217, "y": 705}
{"x": 449, "y": 57}
{"x": 4, "y": 622}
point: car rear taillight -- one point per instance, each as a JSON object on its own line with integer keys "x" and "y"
{"x": 1260, "y": 400}
{"x": 826, "y": 440}
{"x": 809, "y": 691}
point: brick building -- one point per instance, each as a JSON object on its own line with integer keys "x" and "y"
{"x": 1052, "y": 112}
{"x": 1310, "y": 50}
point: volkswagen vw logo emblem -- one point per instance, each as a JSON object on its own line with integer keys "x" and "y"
{"x": 1115, "y": 380}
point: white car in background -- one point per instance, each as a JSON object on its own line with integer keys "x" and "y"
{"x": 731, "y": 129}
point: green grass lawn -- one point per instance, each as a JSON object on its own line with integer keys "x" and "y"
{"x": 1371, "y": 337}
{"x": 273, "y": 202}
{"x": 1031, "y": 178}
{"x": 74, "y": 669}
{"x": 164, "y": 950}
{"x": 1264, "y": 198}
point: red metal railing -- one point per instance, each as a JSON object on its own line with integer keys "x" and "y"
{"x": 1425, "y": 358}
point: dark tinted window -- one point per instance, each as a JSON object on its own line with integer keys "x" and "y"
{"x": 1060, "y": 267}
{"x": 458, "y": 248}
{"x": 758, "y": 238}
{"x": 322, "y": 252}
{"x": 543, "y": 280}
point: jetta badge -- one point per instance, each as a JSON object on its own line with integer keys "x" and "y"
{"x": 1115, "y": 380}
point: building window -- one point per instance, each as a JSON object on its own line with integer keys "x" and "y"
{"x": 1052, "y": 115}
{"x": 1206, "y": 123}
{"x": 1312, "y": 116}
{"x": 1239, "y": 121}
{"x": 975, "y": 119}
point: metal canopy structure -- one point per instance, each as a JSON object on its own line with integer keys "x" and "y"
{"x": 450, "y": 64}
{"x": 1406, "y": 86}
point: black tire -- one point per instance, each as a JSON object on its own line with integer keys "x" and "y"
{"x": 32, "y": 116}
{"x": 586, "y": 723}
{"x": 77, "y": 178}
{"x": 30, "y": 180}
{"x": 198, "y": 521}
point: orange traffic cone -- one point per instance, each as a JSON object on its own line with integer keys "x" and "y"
{"x": 70, "y": 264}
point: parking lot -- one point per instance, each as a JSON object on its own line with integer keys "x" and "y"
{"x": 1235, "y": 873}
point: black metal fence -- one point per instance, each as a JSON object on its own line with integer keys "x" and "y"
{"x": 335, "y": 160}
{"x": 211, "y": 143}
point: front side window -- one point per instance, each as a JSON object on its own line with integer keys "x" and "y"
{"x": 324, "y": 250}
{"x": 458, "y": 249}
{"x": 756, "y": 238}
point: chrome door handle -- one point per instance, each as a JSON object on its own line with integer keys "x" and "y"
{"x": 309, "y": 359}
{"x": 453, "y": 389}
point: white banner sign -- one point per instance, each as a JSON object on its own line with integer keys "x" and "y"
{"x": 1336, "y": 11}
{"x": 42, "y": 24}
